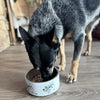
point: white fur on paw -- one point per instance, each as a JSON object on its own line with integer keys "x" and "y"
{"x": 86, "y": 53}
{"x": 60, "y": 68}
{"x": 71, "y": 78}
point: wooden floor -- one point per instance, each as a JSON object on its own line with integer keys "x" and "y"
{"x": 14, "y": 63}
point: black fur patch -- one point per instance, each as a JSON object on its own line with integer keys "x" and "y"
{"x": 78, "y": 46}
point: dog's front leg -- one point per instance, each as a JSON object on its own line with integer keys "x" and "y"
{"x": 89, "y": 44}
{"x": 58, "y": 39}
{"x": 88, "y": 31}
{"x": 62, "y": 64}
{"x": 78, "y": 44}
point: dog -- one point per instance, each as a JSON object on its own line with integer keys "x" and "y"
{"x": 51, "y": 23}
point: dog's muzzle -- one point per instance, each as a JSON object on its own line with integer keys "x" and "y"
{"x": 47, "y": 74}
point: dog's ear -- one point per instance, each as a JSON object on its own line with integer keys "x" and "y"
{"x": 24, "y": 34}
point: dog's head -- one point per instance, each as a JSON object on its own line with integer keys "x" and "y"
{"x": 42, "y": 52}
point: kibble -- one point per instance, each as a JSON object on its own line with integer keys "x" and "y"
{"x": 37, "y": 78}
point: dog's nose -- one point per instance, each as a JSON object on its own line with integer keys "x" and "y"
{"x": 47, "y": 74}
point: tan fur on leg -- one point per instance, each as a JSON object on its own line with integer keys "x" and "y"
{"x": 89, "y": 44}
{"x": 62, "y": 56}
{"x": 72, "y": 76}
{"x": 69, "y": 35}
{"x": 88, "y": 32}
{"x": 73, "y": 71}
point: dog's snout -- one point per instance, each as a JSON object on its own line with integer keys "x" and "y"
{"x": 47, "y": 73}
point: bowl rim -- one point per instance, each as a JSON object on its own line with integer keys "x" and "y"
{"x": 44, "y": 81}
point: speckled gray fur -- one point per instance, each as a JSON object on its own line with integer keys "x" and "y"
{"x": 72, "y": 15}
{"x": 44, "y": 19}
{"x": 56, "y": 18}
{"x": 64, "y": 16}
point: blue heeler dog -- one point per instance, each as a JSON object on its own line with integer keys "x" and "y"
{"x": 53, "y": 21}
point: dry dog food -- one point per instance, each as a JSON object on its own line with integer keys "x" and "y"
{"x": 37, "y": 78}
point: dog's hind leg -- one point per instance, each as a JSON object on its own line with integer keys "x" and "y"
{"x": 78, "y": 44}
{"x": 62, "y": 64}
{"x": 88, "y": 31}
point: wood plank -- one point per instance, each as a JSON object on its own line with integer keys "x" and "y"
{"x": 14, "y": 63}
{"x": 19, "y": 9}
{"x": 12, "y": 35}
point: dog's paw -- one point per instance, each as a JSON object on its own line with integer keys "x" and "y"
{"x": 61, "y": 67}
{"x": 86, "y": 53}
{"x": 71, "y": 78}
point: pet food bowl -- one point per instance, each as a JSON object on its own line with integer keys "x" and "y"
{"x": 42, "y": 88}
